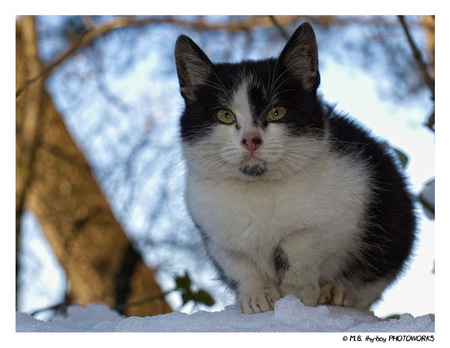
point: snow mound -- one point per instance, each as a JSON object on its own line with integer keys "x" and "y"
{"x": 289, "y": 315}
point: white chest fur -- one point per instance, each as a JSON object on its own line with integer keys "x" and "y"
{"x": 252, "y": 217}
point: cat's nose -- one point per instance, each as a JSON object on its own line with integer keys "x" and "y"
{"x": 252, "y": 141}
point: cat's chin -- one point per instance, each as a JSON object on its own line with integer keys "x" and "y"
{"x": 254, "y": 171}
{"x": 253, "y": 167}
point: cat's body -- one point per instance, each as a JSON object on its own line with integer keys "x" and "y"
{"x": 289, "y": 197}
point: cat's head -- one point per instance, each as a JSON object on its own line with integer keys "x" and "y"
{"x": 255, "y": 119}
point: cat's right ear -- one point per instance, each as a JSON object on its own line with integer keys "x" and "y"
{"x": 300, "y": 57}
{"x": 193, "y": 67}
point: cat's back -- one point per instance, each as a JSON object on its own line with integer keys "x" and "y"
{"x": 390, "y": 220}
{"x": 350, "y": 140}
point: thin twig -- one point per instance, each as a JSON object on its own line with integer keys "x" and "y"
{"x": 279, "y": 27}
{"x": 429, "y": 81}
{"x": 93, "y": 32}
{"x": 44, "y": 72}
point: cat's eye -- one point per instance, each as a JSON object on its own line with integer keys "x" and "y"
{"x": 276, "y": 113}
{"x": 226, "y": 116}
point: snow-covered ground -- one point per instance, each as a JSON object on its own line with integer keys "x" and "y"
{"x": 290, "y": 315}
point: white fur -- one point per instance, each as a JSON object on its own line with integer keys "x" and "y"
{"x": 310, "y": 202}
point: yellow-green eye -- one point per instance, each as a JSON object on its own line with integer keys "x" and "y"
{"x": 226, "y": 116}
{"x": 276, "y": 113}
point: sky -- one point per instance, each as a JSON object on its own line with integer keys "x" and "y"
{"x": 353, "y": 91}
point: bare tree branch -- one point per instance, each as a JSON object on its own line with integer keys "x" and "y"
{"x": 60, "y": 59}
{"x": 55, "y": 182}
{"x": 93, "y": 32}
{"x": 122, "y": 22}
{"x": 429, "y": 81}
{"x": 279, "y": 27}
{"x": 29, "y": 110}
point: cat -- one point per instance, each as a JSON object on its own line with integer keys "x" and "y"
{"x": 290, "y": 197}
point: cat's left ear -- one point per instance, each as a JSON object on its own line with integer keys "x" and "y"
{"x": 300, "y": 57}
{"x": 193, "y": 67}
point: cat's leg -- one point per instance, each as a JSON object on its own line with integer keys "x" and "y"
{"x": 258, "y": 301}
{"x": 334, "y": 295}
{"x": 360, "y": 297}
{"x": 307, "y": 290}
{"x": 256, "y": 292}
{"x": 301, "y": 275}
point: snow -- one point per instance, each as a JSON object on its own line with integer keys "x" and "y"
{"x": 289, "y": 315}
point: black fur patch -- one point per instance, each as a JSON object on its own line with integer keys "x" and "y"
{"x": 390, "y": 220}
{"x": 254, "y": 170}
{"x": 281, "y": 261}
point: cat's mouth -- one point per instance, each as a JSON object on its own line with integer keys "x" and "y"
{"x": 253, "y": 167}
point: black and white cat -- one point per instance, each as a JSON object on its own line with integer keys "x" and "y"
{"x": 290, "y": 198}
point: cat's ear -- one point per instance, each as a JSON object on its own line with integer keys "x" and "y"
{"x": 300, "y": 57}
{"x": 193, "y": 67}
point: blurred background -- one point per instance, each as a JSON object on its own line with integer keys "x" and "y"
{"x": 100, "y": 215}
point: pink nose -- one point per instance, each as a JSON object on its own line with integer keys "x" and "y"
{"x": 252, "y": 141}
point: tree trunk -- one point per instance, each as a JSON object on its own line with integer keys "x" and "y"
{"x": 57, "y": 185}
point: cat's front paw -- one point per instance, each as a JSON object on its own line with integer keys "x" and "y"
{"x": 308, "y": 294}
{"x": 259, "y": 301}
{"x": 334, "y": 295}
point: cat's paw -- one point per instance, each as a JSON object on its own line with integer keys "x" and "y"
{"x": 259, "y": 301}
{"x": 334, "y": 295}
{"x": 309, "y": 294}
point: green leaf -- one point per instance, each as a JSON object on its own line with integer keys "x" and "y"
{"x": 186, "y": 297}
{"x": 183, "y": 285}
{"x": 183, "y": 282}
{"x": 392, "y": 316}
{"x": 204, "y": 297}
{"x": 403, "y": 158}
{"x": 430, "y": 122}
